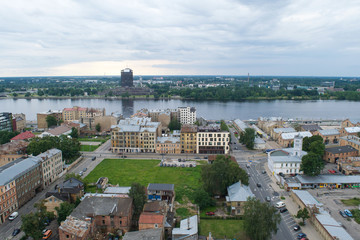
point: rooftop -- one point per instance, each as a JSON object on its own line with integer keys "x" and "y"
{"x": 341, "y": 149}
{"x": 311, "y": 127}
{"x": 63, "y": 129}
{"x": 352, "y": 129}
{"x": 238, "y": 193}
{"x": 328, "y": 178}
{"x": 48, "y": 154}
{"x": 186, "y": 128}
{"x": 23, "y": 136}
{"x": 151, "y": 218}
{"x": 307, "y": 198}
{"x": 15, "y": 169}
{"x": 160, "y": 187}
{"x": 188, "y": 227}
{"x": 292, "y": 135}
{"x": 75, "y": 226}
{"x": 328, "y": 132}
{"x": 13, "y": 147}
{"x": 117, "y": 190}
{"x": 148, "y": 234}
{"x": 284, "y": 130}
{"x": 241, "y": 124}
{"x": 168, "y": 139}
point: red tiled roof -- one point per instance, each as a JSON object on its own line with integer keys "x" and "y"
{"x": 23, "y": 136}
{"x": 151, "y": 218}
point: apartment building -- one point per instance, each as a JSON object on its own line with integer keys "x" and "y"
{"x": 13, "y": 150}
{"x": 41, "y": 118}
{"x": 287, "y": 139}
{"x": 350, "y": 140}
{"x": 330, "y": 136}
{"x": 84, "y": 115}
{"x": 135, "y": 135}
{"x": 8, "y": 200}
{"x": 187, "y": 115}
{"x": 168, "y": 145}
{"x": 212, "y": 140}
{"x": 6, "y": 121}
{"x": 349, "y": 131}
{"x": 188, "y": 136}
{"x": 52, "y": 165}
{"x": 20, "y": 122}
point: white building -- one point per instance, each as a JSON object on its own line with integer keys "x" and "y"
{"x": 287, "y": 160}
{"x": 187, "y": 115}
{"x": 188, "y": 229}
{"x": 52, "y": 165}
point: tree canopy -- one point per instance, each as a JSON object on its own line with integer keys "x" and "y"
{"x": 5, "y": 136}
{"x": 98, "y": 127}
{"x": 248, "y": 138}
{"x": 307, "y": 141}
{"x": 311, "y": 164}
{"x": 174, "y": 125}
{"x": 261, "y": 220}
{"x": 137, "y": 193}
{"x": 220, "y": 174}
{"x": 51, "y": 121}
{"x": 64, "y": 210}
{"x": 74, "y": 133}
{"x": 203, "y": 199}
{"x": 303, "y": 214}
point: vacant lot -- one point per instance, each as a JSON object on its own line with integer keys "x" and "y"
{"x": 88, "y": 148}
{"x": 126, "y": 171}
{"x": 229, "y": 229}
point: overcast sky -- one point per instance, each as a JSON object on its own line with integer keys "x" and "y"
{"x": 158, "y": 37}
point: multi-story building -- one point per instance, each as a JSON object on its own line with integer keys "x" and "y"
{"x": 161, "y": 192}
{"x": 287, "y": 139}
{"x": 6, "y": 121}
{"x": 168, "y": 145}
{"x": 135, "y": 135}
{"x": 41, "y": 118}
{"x": 74, "y": 113}
{"x": 350, "y": 140}
{"x": 349, "y": 131}
{"x": 8, "y": 200}
{"x": 287, "y": 160}
{"x": 339, "y": 153}
{"x": 11, "y": 151}
{"x": 70, "y": 190}
{"x": 188, "y": 135}
{"x": 275, "y": 133}
{"x": 52, "y": 165}
{"x": 20, "y": 122}
{"x": 212, "y": 140}
{"x": 26, "y": 173}
{"x": 127, "y": 79}
{"x": 187, "y": 115}
{"x": 330, "y": 136}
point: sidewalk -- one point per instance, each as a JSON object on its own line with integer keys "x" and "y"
{"x": 293, "y": 208}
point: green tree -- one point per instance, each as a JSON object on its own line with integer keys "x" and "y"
{"x": 98, "y": 127}
{"x": 6, "y": 136}
{"x": 220, "y": 174}
{"x": 64, "y": 210}
{"x": 317, "y": 147}
{"x": 51, "y": 121}
{"x": 248, "y": 138}
{"x": 223, "y": 126}
{"x": 40, "y": 93}
{"x": 303, "y": 214}
{"x": 308, "y": 140}
{"x": 32, "y": 226}
{"x": 261, "y": 220}
{"x": 311, "y": 164}
{"x": 203, "y": 199}
{"x": 137, "y": 193}
{"x": 15, "y": 94}
{"x": 174, "y": 125}
{"x": 27, "y": 94}
{"x": 74, "y": 133}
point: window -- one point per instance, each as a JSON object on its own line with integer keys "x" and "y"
{"x": 103, "y": 221}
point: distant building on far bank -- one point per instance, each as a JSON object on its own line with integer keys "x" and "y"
{"x": 127, "y": 79}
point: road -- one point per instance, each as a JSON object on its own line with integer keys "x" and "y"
{"x": 256, "y": 160}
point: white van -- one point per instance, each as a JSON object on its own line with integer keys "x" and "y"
{"x": 280, "y": 204}
{"x": 13, "y": 216}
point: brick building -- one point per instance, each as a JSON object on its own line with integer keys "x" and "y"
{"x": 188, "y": 135}
{"x": 41, "y": 118}
{"x": 11, "y": 151}
{"x": 330, "y": 136}
{"x": 334, "y": 154}
{"x": 8, "y": 199}
{"x": 52, "y": 165}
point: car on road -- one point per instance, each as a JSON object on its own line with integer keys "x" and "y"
{"x": 13, "y": 216}
{"x": 249, "y": 175}
{"x": 248, "y": 165}
{"x": 343, "y": 214}
{"x": 268, "y": 199}
{"x": 263, "y": 172}
{"x": 282, "y": 210}
{"x": 268, "y": 150}
{"x": 47, "y": 234}
{"x": 258, "y": 185}
{"x": 280, "y": 204}
{"x": 84, "y": 170}
{"x": 81, "y": 173}
{"x": 297, "y": 228}
{"x": 348, "y": 213}
{"x": 16, "y": 232}
{"x": 301, "y": 235}
{"x": 281, "y": 174}
{"x": 210, "y": 213}
{"x": 93, "y": 158}
{"x": 44, "y": 231}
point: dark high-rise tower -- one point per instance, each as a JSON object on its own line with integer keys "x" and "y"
{"x": 127, "y": 78}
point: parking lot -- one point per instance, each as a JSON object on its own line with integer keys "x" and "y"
{"x": 332, "y": 203}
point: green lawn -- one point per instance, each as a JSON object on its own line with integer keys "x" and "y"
{"x": 88, "y": 148}
{"x": 232, "y": 229}
{"x": 99, "y": 139}
{"x": 351, "y": 202}
{"x": 126, "y": 171}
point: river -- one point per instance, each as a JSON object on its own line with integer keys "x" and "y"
{"x": 317, "y": 109}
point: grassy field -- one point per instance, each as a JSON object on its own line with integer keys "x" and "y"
{"x": 126, "y": 171}
{"x": 99, "y": 139}
{"x": 88, "y": 148}
{"x": 232, "y": 229}
{"x": 351, "y": 202}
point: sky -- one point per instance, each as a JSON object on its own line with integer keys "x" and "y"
{"x": 180, "y": 37}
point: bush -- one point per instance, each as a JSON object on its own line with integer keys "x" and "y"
{"x": 282, "y": 198}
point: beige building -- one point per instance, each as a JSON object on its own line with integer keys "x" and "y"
{"x": 52, "y": 165}
{"x": 287, "y": 139}
{"x": 188, "y": 138}
{"x": 81, "y": 114}
{"x": 276, "y": 132}
{"x": 41, "y": 118}
{"x": 267, "y": 124}
{"x": 105, "y": 122}
{"x": 168, "y": 145}
{"x": 8, "y": 199}
{"x": 51, "y": 203}
{"x": 211, "y": 140}
{"x": 13, "y": 150}
{"x": 135, "y": 135}
{"x": 330, "y": 136}
{"x": 349, "y": 131}
{"x": 20, "y": 120}
{"x": 237, "y": 197}
{"x": 351, "y": 140}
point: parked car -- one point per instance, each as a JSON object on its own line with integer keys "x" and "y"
{"x": 281, "y": 174}
{"x": 268, "y": 199}
{"x": 47, "y": 234}
{"x": 258, "y": 185}
{"x": 16, "y": 232}
{"x": 348, "y": 213}
{"x": 301, "y": 235}
{"x": 248, "y": 165}
{"x": 280, "y": 204}
{"x": 210, "y": 213}
{"x": 282, "y": 210}
{"x": 263, "y": 172}
{"x": 13, "y": 216}
{"x": 269, "y": 150}
{"x": 93, "y": 158}
{"x": 84, "y": 170}
{"x": 44, "y": 231}
{"x": 81, "y": 173}
{"x": 297, "y": 228}
{"x": 343, "y": 214}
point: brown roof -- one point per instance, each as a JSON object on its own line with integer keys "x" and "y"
{"x": 59, "y": 130}
{"x": 186, "y": 128}
{"x": 151, "y": 218}
{"x": 23, "y": 136}
{"x": 157, "y": 206}
{"x": 13, "y": 147}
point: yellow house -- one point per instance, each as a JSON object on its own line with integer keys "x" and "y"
{"x": 237, "y": 196}
{"x": 51, "y": 203}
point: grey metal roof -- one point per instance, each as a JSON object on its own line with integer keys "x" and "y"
{"x": 241, "y": 124}
{"x": 311, "y": 127}
{"x": 238, "y": 193}
{"x": 307, "y": 198}
{"x": 15, "y": 169}
{"x": 328, "y": 132}
{"x": 292, "y": 135}
{"x": 352, "y": 129}
{"x": 351, "y": 138}
{"x": 188, "y": 227}
{"x": 121, "y": 190}
{"x": 49, "y": 153}
{"x": 285, "y": 155}
{"x": 171, "y": 139}
{"x": 332, "y": 226}
{"x": 341, "y": 149}
{"x": 160, "y": 187}
{"x": 329, "y": 178}
{"x": 148, "y": 234}
{"x": 284, "y": 130}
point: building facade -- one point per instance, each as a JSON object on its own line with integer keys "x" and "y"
{"x": 11, "y": 151}
{"x": 187, "y": 115}
{"x": 212, "y": 140}
{"x": 20, "y": 121}
{"x": 330, "y": 136}
{"x": 168, "y": 145}
{"x": 188, "y": 138}
{"x": 287, "y": 139}
{"x": 237, "y": 197}
{"x": 6, "y": 121}
{"x": 127, "y": 79}
{"x": 41, "y": 118}
{"x": 335, "y": 154}
{"x": 52, "y": 165}
{"x": 351, "y": 140}
{"x": 8, "y": 200}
